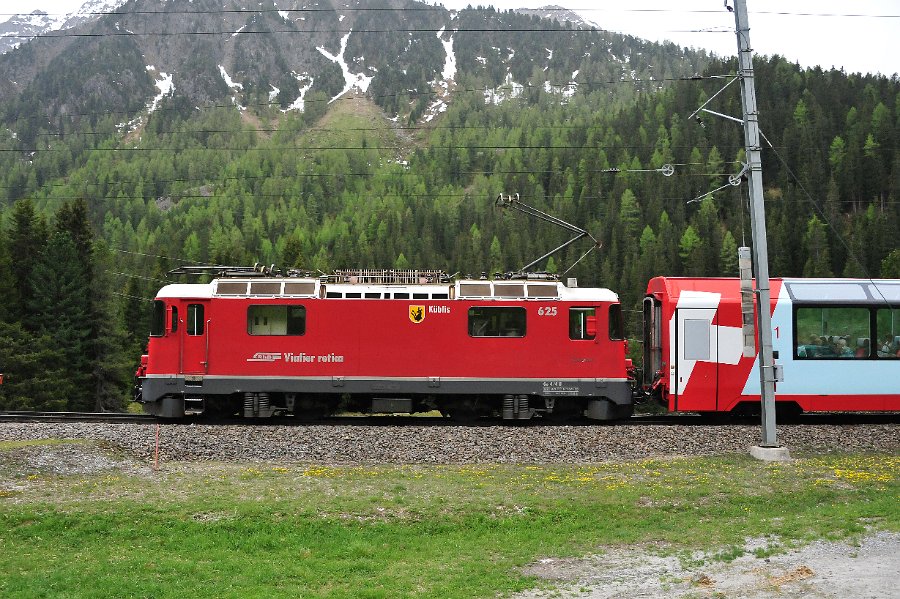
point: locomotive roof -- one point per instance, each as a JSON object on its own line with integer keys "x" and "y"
{"x": 313, "y": 288}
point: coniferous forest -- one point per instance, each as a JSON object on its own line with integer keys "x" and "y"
{"x": 92, "y": 215}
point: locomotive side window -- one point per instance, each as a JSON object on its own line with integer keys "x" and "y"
{"x": 276, "y": 320}
{"x": 195, "y": 322}
{"x": 578, "y": 323}
{"x": 833, "y": 332}
{"x": 174, "y": 318}
{"x": 497, "y": 322}
{"x": 158, "y": 319}
{"x": 616, "y": 323}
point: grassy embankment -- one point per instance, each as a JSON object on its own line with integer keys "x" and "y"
{"x": 225, "y": 530}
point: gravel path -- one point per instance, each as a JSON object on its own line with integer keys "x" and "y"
{"x": 820, "y": 570}
{"x": 387, "y": 444}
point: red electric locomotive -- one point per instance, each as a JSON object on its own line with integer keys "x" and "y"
{"x": 258, "y": 345}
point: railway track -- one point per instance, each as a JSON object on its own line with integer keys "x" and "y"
{"x": 104, "y": 417}
{"x": 680, "y": 419}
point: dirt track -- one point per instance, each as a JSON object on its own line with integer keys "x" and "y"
{"x": 819, "y": 570}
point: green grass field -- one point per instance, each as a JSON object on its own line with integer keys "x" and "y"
{"x": 224, "y": 530}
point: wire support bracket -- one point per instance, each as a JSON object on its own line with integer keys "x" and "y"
{"x": 733, "y": 181}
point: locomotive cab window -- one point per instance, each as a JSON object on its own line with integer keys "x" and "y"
{"x": 158, "y": 319}
{"x": 616, "y": 323}
{"x": 582, "y": 323}
{"x": 497, "y": 322}
{"x": 282, "y": 320}
{"x": 196, "y": 322}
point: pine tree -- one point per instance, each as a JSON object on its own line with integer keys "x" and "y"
{"x": 690, "y": 248}
{"x": 111, "y": 366}
{"x": 59, "y": 307}
{"x": 292, "y": 255}
{"x": 818, "y": 263}
{"x": 35, "y": 372}
{"x": 890, "y": 266}
{"x": 26, "y": 238}
{"x": 728, "y": 256}
{"x": 8, "y": 309}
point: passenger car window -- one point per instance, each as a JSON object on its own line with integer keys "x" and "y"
{"x": 832, "y": 332}
{"x": 887, "y": 344}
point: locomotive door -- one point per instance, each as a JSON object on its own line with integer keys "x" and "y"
{"x": 195, "y": 339}
{"x": 696, "y": 363}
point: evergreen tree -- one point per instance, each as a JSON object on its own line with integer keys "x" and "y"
{"x": 630, "y": 216}
{"x": 73, "y": 219}
{"x": 112, "y": 366}
{"x": 26, "y": 238}
{"x": 59, "y": 307}
{"x": 890, "y": 266}
{"x": 292, "y": 255}
{"x": 728, "y": 256}
{"x": 8, "y": 309}
{"x": 691, "y": 250}
{"x": 667, "y": 244}
{"x": 818, "y": 263}
{"x": 35, "y": 372}
{"x": 401, "y": 263}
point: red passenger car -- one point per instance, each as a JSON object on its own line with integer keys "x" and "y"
{"x": 836, "y": 344}
{"x": 385, "y": 341}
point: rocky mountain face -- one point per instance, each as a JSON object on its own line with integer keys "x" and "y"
{"x": 24, "y": 27}
{"x": 407, "y": 56}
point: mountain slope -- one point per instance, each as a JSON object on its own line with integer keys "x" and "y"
{"x": 398, "y": 51}
{"x": 21, "y": 28}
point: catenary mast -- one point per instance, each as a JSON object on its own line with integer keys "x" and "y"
{"x": 758, "y": 224}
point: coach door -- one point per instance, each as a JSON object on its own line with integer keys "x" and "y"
{"x": 195, "y": 338}
{"x": 652, "y": 340}
{"x": 696, "y": 372}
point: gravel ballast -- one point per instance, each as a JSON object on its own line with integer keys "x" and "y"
{"x": 431, "y": 444}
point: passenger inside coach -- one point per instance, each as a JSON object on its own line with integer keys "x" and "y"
{"x": 862, "y": 348}
{"x": 890, "y": 348}
{"x": 842, "y": 349}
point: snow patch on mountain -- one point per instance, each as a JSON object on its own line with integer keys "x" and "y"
{"x": 442, "y": 87}
{"x": 165, "y": 86}
{"x": 228, "y": 81}
{"x": 20, "y": 28}
{"x": 507, "y": 91}
{"x": 449, "y": 70}
{"x": 164, "y": 83}
{"x": 299, "y": 103}
{"x": 360, "y": 81}
{"x": 237, "y": 87}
